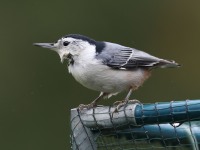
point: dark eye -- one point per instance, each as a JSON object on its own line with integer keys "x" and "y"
{"x": 65, "y": 43}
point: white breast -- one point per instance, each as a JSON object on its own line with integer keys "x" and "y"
{"x": 92, "y": 74}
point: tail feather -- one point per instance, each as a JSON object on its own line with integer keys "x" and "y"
{"x": 168, "y": 64}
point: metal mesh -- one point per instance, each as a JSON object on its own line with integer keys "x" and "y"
{"x": 170, "y": 125}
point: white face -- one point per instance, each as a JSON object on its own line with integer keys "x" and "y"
{"x": 66, "y": 46}
{"x": 69, "y": 46}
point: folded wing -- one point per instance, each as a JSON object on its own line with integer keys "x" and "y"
{"x": 129, "y": 58}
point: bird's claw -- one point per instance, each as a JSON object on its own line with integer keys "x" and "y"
{"x": 88, "y": 106}
{"x": 118, "y": 102}
{"x": 134, "y": 101}
{"x": 123, "y": 103}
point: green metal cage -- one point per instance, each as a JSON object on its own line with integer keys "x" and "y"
{"x": 167, "y": 125}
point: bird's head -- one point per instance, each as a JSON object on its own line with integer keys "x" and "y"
{"x": 70, "y": 45}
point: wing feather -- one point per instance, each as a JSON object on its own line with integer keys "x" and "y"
{"x": 121, "y": 57}
{"x": 132, "y": 58}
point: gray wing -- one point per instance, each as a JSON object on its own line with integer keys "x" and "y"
{"x": 121, "y": 57}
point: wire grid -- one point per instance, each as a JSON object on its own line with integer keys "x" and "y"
{"x": 89, "y": 133}
{"x": 160, "y": 136}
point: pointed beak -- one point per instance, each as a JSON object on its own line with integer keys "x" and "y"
{"x": 53, "y": 46}
{"x": 45, "y": 45}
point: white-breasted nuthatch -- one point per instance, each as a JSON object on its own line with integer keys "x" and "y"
{"x": 106, "y": 67}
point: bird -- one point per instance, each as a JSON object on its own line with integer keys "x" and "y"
{"x": 107, "y": 67}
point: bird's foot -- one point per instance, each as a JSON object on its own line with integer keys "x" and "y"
{"x": 88, "y": 106}
{"x": 123, "y": 103}
{"x": 118, "y": 102}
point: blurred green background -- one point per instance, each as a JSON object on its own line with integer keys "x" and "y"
{"x": 37, "y": 92}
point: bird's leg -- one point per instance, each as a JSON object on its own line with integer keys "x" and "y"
{"x": 93, "y": 103}
{"x": 128, "y": 95}
{"x": 125, "y": 101}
